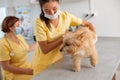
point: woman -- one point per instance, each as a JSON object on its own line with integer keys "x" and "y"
{"x": 49, "y": 29}
{"x": 13, "y": 52}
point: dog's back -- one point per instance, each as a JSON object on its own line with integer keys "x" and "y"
{"x": 86, "y": 37}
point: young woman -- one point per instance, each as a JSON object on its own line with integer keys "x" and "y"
{"x": 13, "y": 52}
{"x": 49, "y": 29}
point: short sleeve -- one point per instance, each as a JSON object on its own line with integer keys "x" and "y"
{"x": 40, "y": 31}
{"x": 74, "y": 20}
{"x": 4, "y": 52}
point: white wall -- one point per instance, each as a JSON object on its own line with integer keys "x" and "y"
{"x": 3, "y": 13}
{"x": 106, "y": 21}
{"x": 14, "y": 3}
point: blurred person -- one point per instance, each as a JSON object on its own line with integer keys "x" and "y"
{"x": 13, "y": 52}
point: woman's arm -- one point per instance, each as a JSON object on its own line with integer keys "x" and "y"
{"x": 7, "y": 66}
{"x": 88, "y": 24}
{"x": 48, "y": 46}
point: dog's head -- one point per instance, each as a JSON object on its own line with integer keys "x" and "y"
{"x": 70, "y": 45}
{"x": 73, "y": 42}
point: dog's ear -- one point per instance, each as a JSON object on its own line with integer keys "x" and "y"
{"x": 67, "y": 31}
{"x": 67, "y": 35}
{"x": 79, "y": 36}
{"x": 77, "y": 42}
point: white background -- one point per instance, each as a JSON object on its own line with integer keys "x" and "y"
{"x": 106, "y": 21}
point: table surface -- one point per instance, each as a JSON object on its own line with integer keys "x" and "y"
{"x": 108, "y": 61}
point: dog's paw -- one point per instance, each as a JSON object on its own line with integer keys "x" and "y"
{"x": 93, "y": 63}
{"x": 76, "y": 69}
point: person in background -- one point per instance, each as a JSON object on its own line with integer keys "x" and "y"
{"x": 13, "y": 52}
{"x": 49, "y": 29}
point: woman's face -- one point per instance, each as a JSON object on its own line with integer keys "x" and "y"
{"x": 17, "y": 24}
{"x": 50, "y": 7}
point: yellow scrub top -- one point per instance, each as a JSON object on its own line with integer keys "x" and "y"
{"x": 40, "y": 60}
{"x": 19, "y": 58}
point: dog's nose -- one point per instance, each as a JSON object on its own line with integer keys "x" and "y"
{"x": 61, "y": 50}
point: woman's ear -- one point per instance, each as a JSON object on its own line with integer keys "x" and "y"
{"x": 11, "y": 29}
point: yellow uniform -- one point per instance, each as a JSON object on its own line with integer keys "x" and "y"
{"x": 40, "y": 60}
{"x": 17, "y": 58}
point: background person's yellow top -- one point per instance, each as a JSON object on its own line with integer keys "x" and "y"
{"x": 40, "y": 60}
{"x": 19, "y": 58}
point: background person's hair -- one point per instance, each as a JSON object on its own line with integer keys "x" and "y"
{"x": 42, "y": 17}
{"x": 8, "y": 22}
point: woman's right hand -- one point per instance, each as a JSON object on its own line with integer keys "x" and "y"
{"x": 29, "y": 71}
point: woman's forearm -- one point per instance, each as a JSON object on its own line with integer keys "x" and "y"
{"x": 50, "y": 45}
{"x": 14, "y": 69}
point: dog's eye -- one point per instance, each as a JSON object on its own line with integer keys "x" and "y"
{"x": 67, "y": 44}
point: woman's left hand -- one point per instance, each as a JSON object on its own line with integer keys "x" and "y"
{"x": 32, "y": 47}
{"x": 88, "y": 24}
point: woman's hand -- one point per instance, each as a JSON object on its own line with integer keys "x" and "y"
{"x": 29, "y": 71}
{"x": 88, "y": 24}
{"x": 32, "y": 47}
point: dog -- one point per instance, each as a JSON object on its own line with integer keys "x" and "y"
{"x": 80, "y": 44}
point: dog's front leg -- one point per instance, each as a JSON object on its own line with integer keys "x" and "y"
{"x": 94, "y": 58}
{"x": 76, "y": 63}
